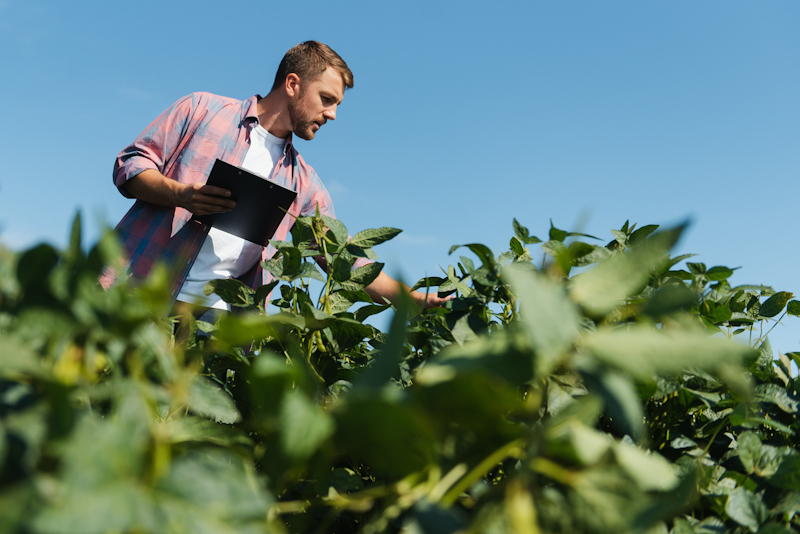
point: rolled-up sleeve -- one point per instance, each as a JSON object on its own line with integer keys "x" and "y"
{"x": 155, "y": 145}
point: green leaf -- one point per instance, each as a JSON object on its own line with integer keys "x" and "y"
{"x": 287, "y": 266}
{"x": 210, "y": 401}
{"x": 793, "y": 308}
{"x": 790, "y": 504}
{"x": 602, "y": 288}
{"x": 550, "y": 319}
{"x": 35, "y": 265}
{"x": 759, "y": 459}
{"x": 340, "y": 303}
{"x": 642, "y": 233}
{"x": 482, "y": 251}
{"x": 231, "y": 291}
{"x": 342, "y": 268}
{"x": 597, "y": 254}
{"x": 358, "y": 252}
{"x": 356, "y": 296}
{"x": 430, "y": 281}
{"x": 263, "y": 292}
{"x": 238, "y": 330}
{"x": 302, "y": 234}
{"x": 219, "y": 488}
{"x": 385, "y": 365}
{"x": 644, "y": 351}
{"x": 116, "y": 507}
{"x": 361, "y": 314}
{"x": 337, "y": 228}
{"x": 375, "y": 236}
{"x": 716, "y": 313}
{"x": 310, "y": 270}
{"x": 561, "y": 235}
{"x": 788, "y": 475}
{"x": 522, "y": 234}
{"x": 669, "y": 298}
{"x": 362, "y": 276}
{"x": 746, "y": 508}
{"x": 622, "y": 402}
{"x": 775, "y": 304}
{"x": 774, "y": 528}
{"x": 304, "y": 426}
{"x": 739, "y": 415}
{"x": 648, "y": 469}
{"x": 393, "y": 439}
{"x": 719, "y": 273}
{"x": 574, "y": 440}
{"x": 555, "y": 248}
{"x": 696, "y": 268}
{"x": 18, "y": 357}
{"x": 778, "y": 396}
{"x": 620, "y": 237}
{"x": 462, "y": 332}
{"x": 316, "y": 319}
{"x": 516, "y": 246}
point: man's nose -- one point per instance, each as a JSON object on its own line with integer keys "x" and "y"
{"x": 330, "y": 113}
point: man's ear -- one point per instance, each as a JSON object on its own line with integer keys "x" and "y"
{"x": 292, "y": 85}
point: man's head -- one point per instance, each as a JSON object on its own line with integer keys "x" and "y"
{"x": 309, "y": 60}
{"x": 314, "y": 78}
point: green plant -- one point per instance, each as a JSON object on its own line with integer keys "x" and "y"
{"x": 596, "y": 390}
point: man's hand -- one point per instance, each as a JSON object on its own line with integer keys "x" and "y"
{"x": 386, "y": 287}
{"x": 431, "y": 300}
{"x": 202, "y": 199}
{"x": 198, "y": 198}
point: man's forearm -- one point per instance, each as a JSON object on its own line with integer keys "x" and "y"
{"x": 198, "y": 198}
{"x": 152, "y": 186}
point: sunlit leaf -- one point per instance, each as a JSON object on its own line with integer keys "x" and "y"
{"x": 550, "y": 319}
{"x": 603, "y": 287}
{"x": 522, "y": 234}
{"x": 208, "y": 400}
{"x": 775, "y": 304}
{"x": 362, "y": 276}
{"x": 337, "y": 228}
{"x": 375, "y": 236}
{"x": 719, "y": 273}
{"x": 777, "y": 395}
{"x": 304, "y": 426}
{"x": 746, "y": 508}
{"x": 643, "y": 351}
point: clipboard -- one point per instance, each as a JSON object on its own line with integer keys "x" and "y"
{"x": 260, "y": 204}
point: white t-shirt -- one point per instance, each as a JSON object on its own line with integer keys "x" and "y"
{"x": 224, "y": 255}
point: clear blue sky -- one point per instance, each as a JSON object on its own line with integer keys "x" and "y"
{"x": 463, "y": 116}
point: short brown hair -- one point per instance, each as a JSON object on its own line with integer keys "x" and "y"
{"x": 309, "y": 60}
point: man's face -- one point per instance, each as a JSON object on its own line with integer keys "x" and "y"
{"x": 316, "y": 104}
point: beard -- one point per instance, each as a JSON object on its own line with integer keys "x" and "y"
{"x": 301, "y": 123}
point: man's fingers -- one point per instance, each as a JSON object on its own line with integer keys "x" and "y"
{"x": 213, "y": 190}
{"x": 217, "y": 203}
{"x": 203, "y": 207}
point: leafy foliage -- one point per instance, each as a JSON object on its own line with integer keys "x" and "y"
{"x": 603, "y": 389}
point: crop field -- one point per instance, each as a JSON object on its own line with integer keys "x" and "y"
{"x": 572, "y": 385}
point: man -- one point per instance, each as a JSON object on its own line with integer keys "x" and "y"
{"x": 166, "y": 167}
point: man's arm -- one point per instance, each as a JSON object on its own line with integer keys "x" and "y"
{"x": 198, "y": 198}
{"x": 384, "y": 286}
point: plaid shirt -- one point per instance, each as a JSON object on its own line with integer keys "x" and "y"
{"x": 183, "y": 144}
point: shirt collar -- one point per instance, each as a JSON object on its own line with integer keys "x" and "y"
{"x": 251, "y": 112}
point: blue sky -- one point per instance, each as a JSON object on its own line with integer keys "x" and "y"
{"x": 463, "y": 116}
